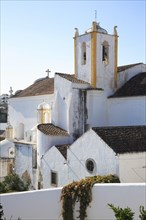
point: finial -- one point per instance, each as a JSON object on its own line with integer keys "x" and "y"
{"x": 115, "y": 30}
{"x": 48, "y": 71}
{"x": 95, "y": 15}
{"x": 11, "y": 91}
{"x": 76, "y": 32}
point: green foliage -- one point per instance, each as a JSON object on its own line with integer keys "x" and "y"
{"x": 81, "y": 191}
{"x": 122, "y": 214}
{"x": 142, "y": 215}
{"x": 13, "y": 183}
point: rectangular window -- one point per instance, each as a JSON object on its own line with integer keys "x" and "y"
{"x": 53, "y": 178}
{"x": 10, "y": 168}
{"x": 34, "y": 158}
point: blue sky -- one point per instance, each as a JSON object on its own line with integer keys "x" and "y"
{"x": 37, "y": 35}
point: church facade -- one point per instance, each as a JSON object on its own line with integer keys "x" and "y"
{"x": 78, "y": 124}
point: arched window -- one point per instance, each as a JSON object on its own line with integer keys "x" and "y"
{"x": 105, "y": 52}
{"x": 83, "y": 53}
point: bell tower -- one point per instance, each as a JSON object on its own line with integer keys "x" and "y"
{"x": 95, "y": 57}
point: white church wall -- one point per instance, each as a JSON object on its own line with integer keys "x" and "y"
{"x": 132, "y": 167}
{"x": 68, "y": 105}
{"x": 23, "y": 160}
{"x": 105, "y": 72}
{"x": 127, "y": 111}
{"x": 127, "y": 74}
{"x": 53, "y": 160}
{"x": 24, "y": 110}
{"x": 61, "y": 104}
{"x": 83, "y": 70}
{"x": 90, "y": 146}
{"x": 45, "y": 142}
{"x": 96, "y": 108}
{"x": 48, "y": 205}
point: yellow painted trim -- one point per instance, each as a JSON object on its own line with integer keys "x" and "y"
{"x": 75, "y": 56}
{"x": 9, "y": 133}
{"x": 93, "y": 59}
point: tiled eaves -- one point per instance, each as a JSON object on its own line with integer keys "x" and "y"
{"x": 52, "y": 130}
{"x": 71, "y": 78}
{"x": 63, "y": 149}
{"x": 123, "y": 139}
{"x": 124, "y": 67}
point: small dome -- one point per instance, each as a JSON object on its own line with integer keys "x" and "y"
{"x": 43, "y": 106}
{"x": 97, "y": 28}
{"x": 100, "y": 29}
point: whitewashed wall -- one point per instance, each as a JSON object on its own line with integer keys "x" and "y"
{"x": 45, "y": 142}
{"x": 96, "y": 108}
{"x": 63, "y": 89}
{"x": 67, "y": 112}
{"x": 127, "y": 111}
{"x": 105, "y": 72}
{"x": 45, "y": 204}
{"x": 132, "y": 167}
{"x": 53, "y": 160}
{"x": 84, "y": 71}
{"x": 90, "y": 146}
{"x": 23, "y": 159}
{"x": 24, "y": 110}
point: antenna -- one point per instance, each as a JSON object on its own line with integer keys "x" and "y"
{"x": 95, "y": 15}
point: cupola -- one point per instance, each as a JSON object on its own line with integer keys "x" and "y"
{"x": 9, "y": 131}
{"x": 44, "y": 113}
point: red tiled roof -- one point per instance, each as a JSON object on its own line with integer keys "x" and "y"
{"x": 124, "y": 139}
{"x": 52, "y": 130}
{"x": 122, "y": 68}
{"x": 71, "y": 78}
{"x": 39, "y": 87}
{"x": 63, "y": 149}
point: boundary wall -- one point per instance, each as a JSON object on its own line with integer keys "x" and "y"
{"x": 46, "y": 205}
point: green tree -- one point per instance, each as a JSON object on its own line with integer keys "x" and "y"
{"x": 13, "y": 183}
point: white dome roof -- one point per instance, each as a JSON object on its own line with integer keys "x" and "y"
{"x": 98, "y": 29}
{"x": 43, "y": 106}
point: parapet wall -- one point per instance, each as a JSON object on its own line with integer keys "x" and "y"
{"x": 46, "y": 205}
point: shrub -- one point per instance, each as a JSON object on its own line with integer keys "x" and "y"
{"x": 13, "y": 183}
{"x": 122, "y": 214}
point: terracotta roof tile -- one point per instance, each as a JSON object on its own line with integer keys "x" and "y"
{"x": 52, "y": 130}
{"x": 63, "y": 149}
{"x": 71, "y": 78}
{"x": 136, "y": 86}
{"x": 124, "y": 139}
{"x": 39, "y": 87}
{"x": 122, "y": 68}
